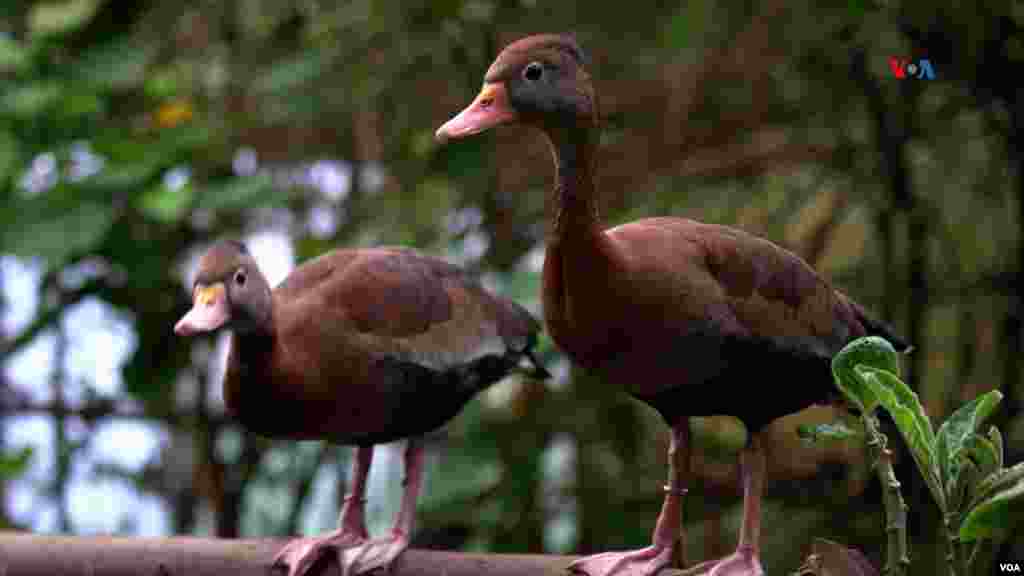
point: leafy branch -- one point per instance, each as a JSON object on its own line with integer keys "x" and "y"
{"x": 963, "y": 468}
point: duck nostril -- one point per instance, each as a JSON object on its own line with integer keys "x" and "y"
{"x": 486, "y": 102}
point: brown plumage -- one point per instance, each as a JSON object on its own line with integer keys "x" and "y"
{"x": 692, "y": 318}
{"x": 358, "y": 347}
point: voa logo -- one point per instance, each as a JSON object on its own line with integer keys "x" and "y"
{"x": 1009, "y": 567}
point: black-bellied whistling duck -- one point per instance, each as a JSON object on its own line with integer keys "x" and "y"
{"x": 694, "y": 319}
{"x": 357, "y": 347}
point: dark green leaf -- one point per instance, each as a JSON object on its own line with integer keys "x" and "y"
{"x": 9, "y": 157}
{"x": 13, "y": 464}
{"x": 165, "y": 205}
{"x": 236, "y": 193}
{"x": 995, "y": 516}
{"x": 55, "y": 233}
{"x": 869, "y": 351}
{"x": 289, "y": 74}
{"x": 122, "y": 177}
{"x": 162, "y": 84}
{"x": 962, "y": 486}
{"x": 983, "y": 453}
{"x": 79, "y": 103}
{"x": 998, "y": 482}
{"x": 114, "y": 66}
{"x": 686, "y": 25}
{"x": 30, "y": 100}
{"x": 961, "y": 425}
{"x": 13, "y": 56}
{"x": 184, "y": 138}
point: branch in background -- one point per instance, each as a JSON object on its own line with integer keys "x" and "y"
{"x": 31, "y": 555}
{"x": 99, "y": 409}
{"x": 48, "y": 316}
{"x": 751, "y": 158}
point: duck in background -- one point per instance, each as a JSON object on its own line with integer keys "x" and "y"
{"x": 357, "y": 347}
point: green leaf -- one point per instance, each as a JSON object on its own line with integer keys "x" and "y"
{"x": 236, "y": 193}
{"x": 684, "y": 28}
{"x": 13, "y": 56}
{"x": 904, "y": 396}
{"x": 996, "y": 438}
{"x": 901, "y": 403}
{"x": 292, "y": 73}
{"x": 14, "y": 464}
{"x": 122, "y": 177}
{"x": 9, "y": 157}
{"x": 961, "y": 425}
{"x": 31, "y": 99}
{"x": 49, "y": 18}
{"x": 54, "y": 232}
{"x": 984, "y": 453}
{"x": 165, "y": 205}
{"x": 162, "y": 85}
{"x": 78, "y": 103}
{"x": 818, "y": 432}
{"x": 870, "y": 351}
{"x": 117, "y": 65}
{"x": 997, "y": 482}
{"x": 963, "y": 485}
{"x": 994, "y": 517}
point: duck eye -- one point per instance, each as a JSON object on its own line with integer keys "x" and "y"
{"x": 533, "y": 71}
{"x": 240, "y": 278}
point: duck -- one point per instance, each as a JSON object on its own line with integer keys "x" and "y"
{"x": 357, "y": 347}
{"x": 690, "y": 318}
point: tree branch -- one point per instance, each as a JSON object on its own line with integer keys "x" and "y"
{"x": 31, "y": 555}
{"x": 103, "y": 408}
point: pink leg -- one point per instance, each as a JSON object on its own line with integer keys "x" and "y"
{"x": 299, "y": 555}
{"x": 382, "y": 552}
{"x": 745, "y": 561}
{"x": 667, "y": 532}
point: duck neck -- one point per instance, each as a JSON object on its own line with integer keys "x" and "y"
{"x": 255, "y": 344}
{"x": 582, "y": 266}
{"x": 574, "y": 213}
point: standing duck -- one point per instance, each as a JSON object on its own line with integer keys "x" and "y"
{"x": 357, "y": 347}
{"x": 690, "y": 317}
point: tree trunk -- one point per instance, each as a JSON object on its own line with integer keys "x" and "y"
{"x": 29, "y": 555}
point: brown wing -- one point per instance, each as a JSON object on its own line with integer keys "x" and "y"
{"x": 774, "y": 294}
{"x": 749, "y": 287}
{"x": 414, "y": 307}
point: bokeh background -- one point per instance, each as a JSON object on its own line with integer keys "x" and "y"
{"x": 134, "y": 133}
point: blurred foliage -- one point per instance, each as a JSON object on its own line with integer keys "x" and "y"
{"x": 133, "y": 133}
